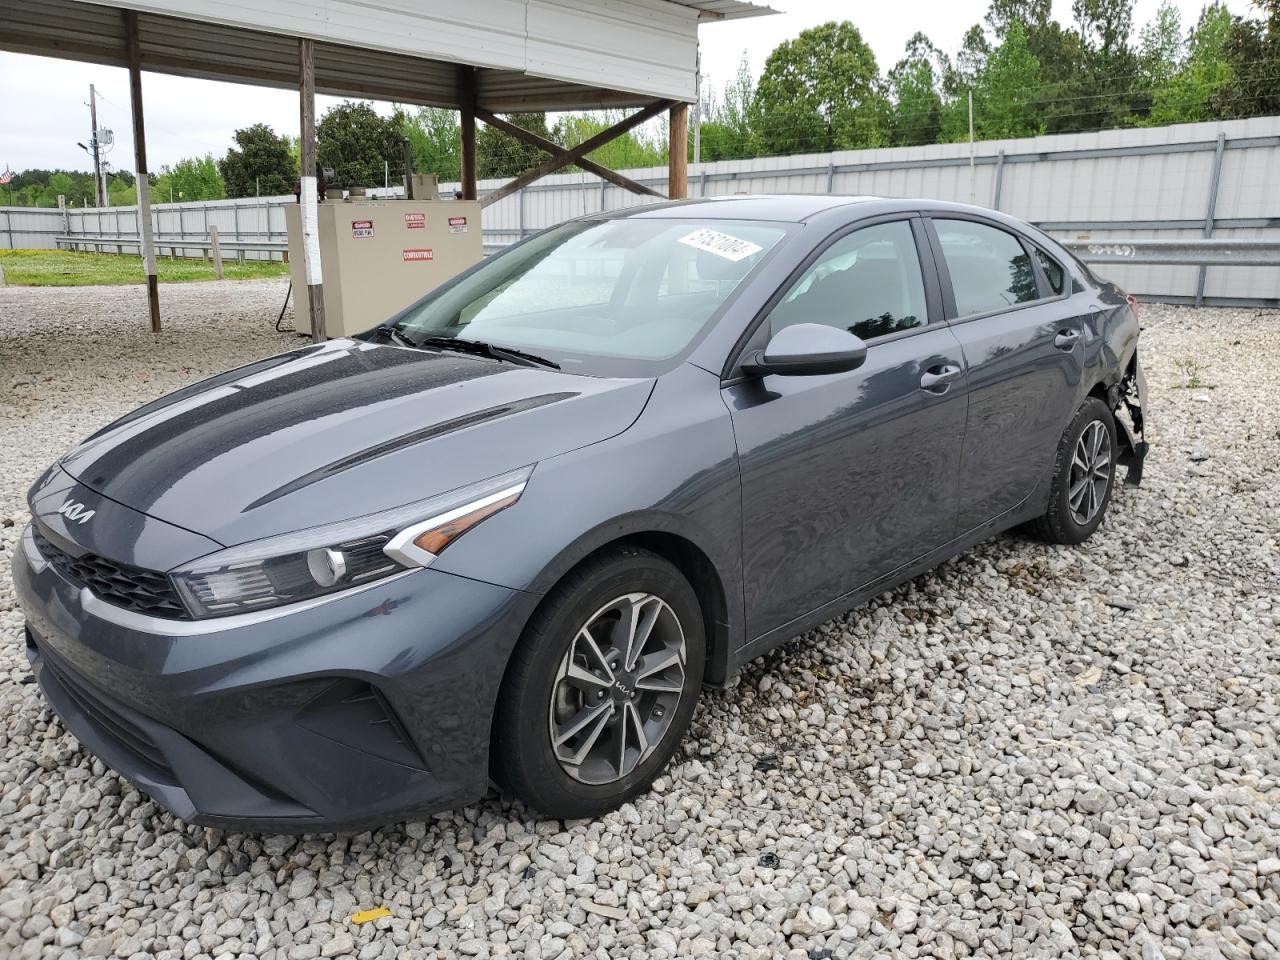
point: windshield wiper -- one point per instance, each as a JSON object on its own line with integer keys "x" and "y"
{"x": 392, "y": 333}
{"x": 481, "y": 348}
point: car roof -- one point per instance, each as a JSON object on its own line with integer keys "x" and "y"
{"x": 790, "y": 207}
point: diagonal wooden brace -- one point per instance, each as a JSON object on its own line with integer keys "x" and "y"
{"x": 603, "y": 172}
{"x": 563, "y": 157}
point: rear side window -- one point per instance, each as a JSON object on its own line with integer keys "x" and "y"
{"x": 1052, "y": 270}
{"x": 868, "y": 283}
{"x": 989, "y": 268}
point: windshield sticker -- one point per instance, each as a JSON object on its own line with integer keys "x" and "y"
{"x": 721, "y": 244}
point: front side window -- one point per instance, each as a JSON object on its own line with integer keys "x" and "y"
{"x": 868, "y": 283}
{"x": 608, "y": 296}
{"x": 989, "y": 267}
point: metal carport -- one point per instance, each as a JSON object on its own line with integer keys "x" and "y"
{"x": 482, "y": 57}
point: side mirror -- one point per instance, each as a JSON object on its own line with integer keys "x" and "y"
{"x": 808, "y": 350}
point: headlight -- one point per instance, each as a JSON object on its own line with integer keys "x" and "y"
{"x": 298, "y": 566}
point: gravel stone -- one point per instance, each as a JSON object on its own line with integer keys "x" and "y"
{"x": 1032, "y": 751}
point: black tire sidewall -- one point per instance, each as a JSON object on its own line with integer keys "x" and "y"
{"x": 1093, "y": 410}
{"x": 524, "y": 760}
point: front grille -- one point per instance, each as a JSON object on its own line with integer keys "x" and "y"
{"x": 110, "y": 721}
{"x": 143, "y": 591}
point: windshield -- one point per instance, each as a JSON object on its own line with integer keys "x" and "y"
{"x": 589, "y": 292}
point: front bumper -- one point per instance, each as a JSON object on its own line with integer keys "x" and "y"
{"x": 371, "y": 706}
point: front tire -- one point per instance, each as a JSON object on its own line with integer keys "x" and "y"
{"x": 602, "y": 686}
{"x": 1084, "y": 474}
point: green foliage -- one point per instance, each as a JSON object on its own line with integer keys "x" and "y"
{"x": 726, "y": 131}
{"x": 636, "y": 148}
{"x": 1003, "y": 102}
{"x": 260, "y": 164}
{"x": 1252, "y": 50}
{"x": 821, "y": 91}
{"x": 356, "y": 142}
{"x": 499, "y": 154}
{"x": 915, "y": 84}
{"x": 1188, "y": 94}
{"x": 434, "y": 134}
{"x": 191, "y": 178}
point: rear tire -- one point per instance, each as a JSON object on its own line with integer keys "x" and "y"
{"x": 1084, "y": 473}
{"x": 585, "y": 719}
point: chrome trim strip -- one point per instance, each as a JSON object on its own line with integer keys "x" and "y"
{"x": 159, "y": 626}
{"x": 401, "y": 547}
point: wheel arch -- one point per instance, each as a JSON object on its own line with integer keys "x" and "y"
{"x": 688, "y": 555}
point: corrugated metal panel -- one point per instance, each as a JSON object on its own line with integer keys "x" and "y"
{"x": 726, "y": 9}
{"x": 642, "y": 45}
{"x": 551, "y": 54}
{"x": 1151, "y": 176}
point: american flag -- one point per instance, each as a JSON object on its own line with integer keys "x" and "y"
{"x": 6, "y": 176}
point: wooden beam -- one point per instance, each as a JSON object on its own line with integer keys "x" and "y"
{"x": 467, "y": 114}
{"x": 678, "y": 153}
{"x": 307, "y": 195}
{"x": 142, "y": 185}
{"x": 528, "y": 136}
{"x": 574, "y": 154}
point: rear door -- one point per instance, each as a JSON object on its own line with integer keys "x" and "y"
{"x": 1023, "y": 337}
{"x": 849, "y": 476}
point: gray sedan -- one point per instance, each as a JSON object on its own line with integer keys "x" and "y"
{"x": 508, "y": 534}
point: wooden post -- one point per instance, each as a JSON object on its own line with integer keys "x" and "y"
{"x": 406, "y": 149}
{"x": 678, "y": 153}
{"x": 467, "y": 113}
{"x": 307, "y": 197}
{"x": 142, "y": 184}
{"x": 215, "y": 250}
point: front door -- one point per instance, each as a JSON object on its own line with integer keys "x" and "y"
{"x": 1024, "y": 343}
{"x": 847, "y": 477}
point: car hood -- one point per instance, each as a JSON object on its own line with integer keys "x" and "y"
{"x": 341, "y": 430}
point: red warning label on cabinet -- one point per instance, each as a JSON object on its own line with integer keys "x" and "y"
{"x": 415, "y": 221}
{"x": 418, "y": 253}
{"x": 457, "y": 224}
{"x": 362, "y": 228}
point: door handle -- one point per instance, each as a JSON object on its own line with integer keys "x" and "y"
{"x": 1066, "y": 339}
{"x": 938, "y": 379}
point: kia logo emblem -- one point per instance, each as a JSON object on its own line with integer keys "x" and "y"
{"x": 75, "y": 512}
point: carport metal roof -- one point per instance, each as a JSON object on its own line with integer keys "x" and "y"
{"x": 481, "y": 57}
{"x": 533, "y": 54}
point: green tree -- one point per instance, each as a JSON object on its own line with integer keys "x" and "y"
{"x": 821, "y": 91}
{"x": 1160, "y": 46}
{"x": 259, "y": 164}
{"x": 192, "y": 178}
{"x": 1188, "y": 95}
{"x": 500, "y": 155}
{"x": 914, "y": 93}
{"x": 1106, "y": 91}
{"x": 356, "y": 141}
{"x": 726, "y": 128}
{"x": 1252, "y": 50}
{"x": 434, "y": 134}
{"x": 635, "y": 148}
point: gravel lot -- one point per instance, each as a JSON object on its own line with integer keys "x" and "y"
{"x": 1031, "y": 751}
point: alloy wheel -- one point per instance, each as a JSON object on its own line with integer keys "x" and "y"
{"x": 1090, "y": 473}
{"x": 617, "y": 688}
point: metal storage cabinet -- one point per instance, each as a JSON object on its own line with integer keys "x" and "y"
{"x": 378, "y": 256}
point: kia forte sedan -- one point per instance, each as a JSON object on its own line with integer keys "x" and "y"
{"x": 508, "y": 534}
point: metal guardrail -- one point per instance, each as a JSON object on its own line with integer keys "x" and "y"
{"x": 1197, "y": 251}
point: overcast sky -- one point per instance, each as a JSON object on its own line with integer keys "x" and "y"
{"x": 43, "y": 112}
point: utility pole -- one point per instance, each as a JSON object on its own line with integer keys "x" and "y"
{"x": 973, "y": 183}
{"x": 697, "y": 111}
{"x": 93, "y": 142}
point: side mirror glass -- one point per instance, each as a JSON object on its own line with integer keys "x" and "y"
{"x": 808, "y": 349}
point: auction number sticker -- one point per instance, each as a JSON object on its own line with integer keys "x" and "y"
{"x": 415, "y": 221}
{"x": 418, "y": 253}
{"x": 457, "y": 224}
{"x": 362, "y": 228}
{"x": 721, "y": 244}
